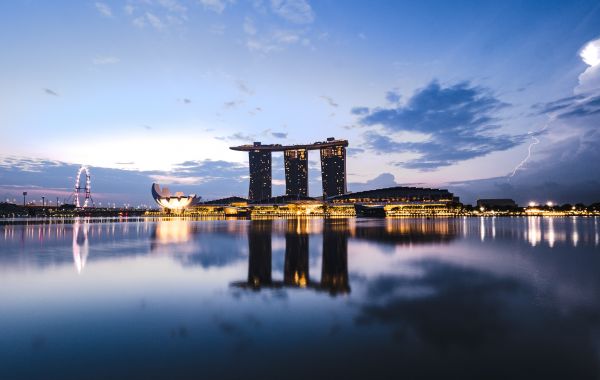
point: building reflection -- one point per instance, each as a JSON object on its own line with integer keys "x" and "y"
{"x": 334, "y": 274}
{"x": 296, "y": 253}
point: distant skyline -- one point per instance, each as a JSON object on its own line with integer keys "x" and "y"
{"x": 487, "y": 99}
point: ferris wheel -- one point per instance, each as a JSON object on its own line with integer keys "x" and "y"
{"x": 87, "y": 188}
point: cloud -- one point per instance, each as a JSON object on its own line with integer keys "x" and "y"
{"x": 589, "y": 80}
{"x": 457, "y": 122}
{"x": 359, "y": 110}
{"x": 232, "y": 103}
{"x": 155, "y": 21}
{"x": 109, "y": 60}
{"x": 329, "y": 101}
{"x": 279, "y": 135}
{"x": 238, "y": 136}
{"x": 580, "y": 105}
{"x": 249, "y": 27}
{"x": 104, "y": 9}
{"x": 393, "y": 96}
{"x": 172, "y": 6}
{"x": 276, "y": 40}
{"x": 48, "y": 91}
{"x": 381, "y": 181}
{"x": 243, "y": 87}
{"x": 296, "y": 11}
{"x": 217, "y": 6}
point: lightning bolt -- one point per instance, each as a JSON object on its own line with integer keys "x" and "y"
{"x": 534, "y": 142}
{"x": 520, "y": 165}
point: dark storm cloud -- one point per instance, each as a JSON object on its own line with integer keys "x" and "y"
{"x": 48, "y": 91}
{"x": 560, "y": 169}
{"x": 458, "y": 121}
{"x": 279, "y": 135}
{"x": 571, "y": 107}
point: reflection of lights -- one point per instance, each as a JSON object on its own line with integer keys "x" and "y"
{"x": 534, "y": 235}
{"x": 173, "y": 231}
{"x": 482, "y": 229}
{"x": 575, "y": 234}
{"x": 80, "y": 245}
{"x": 551, "y": 237}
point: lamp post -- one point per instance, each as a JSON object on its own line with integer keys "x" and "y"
{"x": 43, "y": 201}
{"x": 24, "y": 195}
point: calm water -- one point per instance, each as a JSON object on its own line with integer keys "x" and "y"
{"x": 352, "y": 298}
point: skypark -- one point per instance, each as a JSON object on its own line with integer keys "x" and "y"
{"x": 282, "y": 148}
{"x": 333, "y": 168}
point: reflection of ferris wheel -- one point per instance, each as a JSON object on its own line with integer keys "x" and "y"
{"x": 87, "y": 188}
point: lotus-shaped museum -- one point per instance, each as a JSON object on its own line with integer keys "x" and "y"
{"x": 177, "y": 201}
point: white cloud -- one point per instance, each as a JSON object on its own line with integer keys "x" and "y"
{"x": 589, "y": 80}
{"x": 215, "y": 5}
{"x": 249, "y": 27}
{"x": 286, "y": 36}
{"x": 105, "y": 60}
{"x": 173, "y": 6}
{"x": 129, "y": 9}
{"x": 154, "y": 21}
{"x": 104, "y": 9}
{"x": 275, "y": 41}
{"x": 139, "y": 22}
{"x": 296, "y": 11}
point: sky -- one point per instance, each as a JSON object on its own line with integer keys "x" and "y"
{"x": 485, "y": 98}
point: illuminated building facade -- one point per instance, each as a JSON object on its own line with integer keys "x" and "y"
{"x": 175, "y": 202}
{"x": 333, "y": 170}
{"x": 296, "y": 172}
{"x": 260, "y": 174}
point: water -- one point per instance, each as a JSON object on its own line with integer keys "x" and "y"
{"x": 346, "y": 298}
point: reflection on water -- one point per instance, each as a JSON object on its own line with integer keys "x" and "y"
{"x": 334, "y": 275}
{"x": 80, "y": 244}
{"x": 354, "y": 298}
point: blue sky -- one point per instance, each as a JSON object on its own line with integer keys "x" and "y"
{"x": 434, "y": 93}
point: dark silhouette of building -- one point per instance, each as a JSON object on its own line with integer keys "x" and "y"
{"x": 334, "y": 270}
{"x": 296, "y": 172}
{"x": 259, "y": 256}
{"x": 397, "y": 194}
{"x": 333, "y": 167}
{"x": 333, "y": 170}
{"x": 496, "y": 203}
{"x": 296, "y": 253}
{"x": 260, "y": 174}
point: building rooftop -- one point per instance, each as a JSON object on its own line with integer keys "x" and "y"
{"x": 331, "y": 142}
